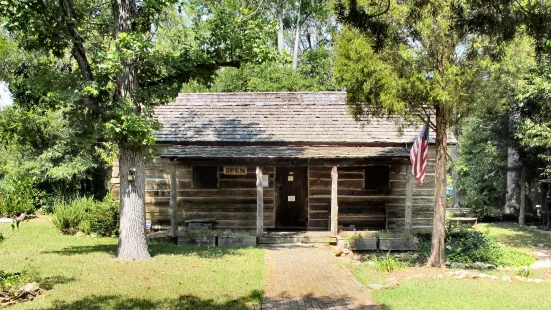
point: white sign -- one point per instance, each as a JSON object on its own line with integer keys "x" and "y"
{"x": 147, "y": 224}
{"x": 232, "y": 170}
{"x": 290, "y": 178}
{"x": 265, "y": 180}
{"x": 291, "y": 198}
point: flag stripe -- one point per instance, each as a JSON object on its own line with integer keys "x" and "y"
{"x": 419, "y": 154}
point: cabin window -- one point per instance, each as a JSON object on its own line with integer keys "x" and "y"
{"x": 205, "y": 177}
{"x": 377, "y": 178}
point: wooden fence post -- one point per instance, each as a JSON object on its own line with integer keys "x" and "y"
{"x": 173, "y": 202}
{"x": 409, "y": 198}
{"x": 334, "y": 201}
{"x": 259, "y": 203}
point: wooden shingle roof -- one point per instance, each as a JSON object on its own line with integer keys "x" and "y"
{"x": 283, "y": 152}
{"x": 307, "y": 117}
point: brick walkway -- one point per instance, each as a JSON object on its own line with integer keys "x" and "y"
{"x": 311, "y": 278}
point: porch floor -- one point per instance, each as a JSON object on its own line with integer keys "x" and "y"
{"x": 278, "y": 237}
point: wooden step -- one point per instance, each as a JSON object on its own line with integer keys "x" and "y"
{"x": 305, "y": 239}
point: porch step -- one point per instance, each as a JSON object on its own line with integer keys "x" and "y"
{"x": 297, "y": 239}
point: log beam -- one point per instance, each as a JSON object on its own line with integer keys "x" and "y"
{"x": 259, "y": 203}
{"x": 173, "y": 202}
{"x": 334, "y": 200}
{"x": 409, "y": 199}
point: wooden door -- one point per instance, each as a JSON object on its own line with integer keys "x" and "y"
{"x": 292, "y": 197}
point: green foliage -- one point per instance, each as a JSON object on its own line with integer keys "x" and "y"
{"x": 514, "y": 257}
{"x": 18, "y": 196}
{"x": 313, "y": 75}
{"x": 388, "y": 264}
{"x": 103, "y": 217}
{"x": 10, "y": 281}
{"x": 409, "y": 61}
{"x": 469, "y": 246}
{"x": 88, "y": 216}
{"x": 69, "y": 216}
{"x": 483, "y": 141}
{"x": 525, "y": 272}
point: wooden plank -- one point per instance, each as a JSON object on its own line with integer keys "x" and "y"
{"x": 334, "y": 201}
{"x": 259, "y": 203}
{"x": 173, "y": 202}
{"x": 409, "y": 199}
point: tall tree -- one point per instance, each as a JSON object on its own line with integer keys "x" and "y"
{"x": 123, "y": 71}
{"x": 406, "y": 58}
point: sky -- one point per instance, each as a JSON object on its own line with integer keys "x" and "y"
{"x": 5, "y": 96}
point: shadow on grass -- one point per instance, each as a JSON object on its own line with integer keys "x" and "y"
{"x": 515, "y": 235}
{"x": 253, "y": 301}
{"x": 154, "y": 248}
{"x": 310, "y": 301}
{"x": 48, "y": 283}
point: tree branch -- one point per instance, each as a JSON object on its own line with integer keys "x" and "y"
{"x": 78, "y": 51}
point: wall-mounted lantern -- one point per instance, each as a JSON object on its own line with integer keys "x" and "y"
{"x": 132, "y": 175}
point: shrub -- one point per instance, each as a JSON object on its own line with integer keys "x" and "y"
{"x": 468, "y": 246}
{"x": 69, "y": 216}
{"x": 18, "y": 195}
{"x": 10, "y": 280}
{"x": 388, "y": 263}
{"x": 87, "y": 216}
{"x": 103, "y": 217}
{"x": 525, "y": 272}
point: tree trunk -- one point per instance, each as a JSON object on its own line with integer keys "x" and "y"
{"x": 522, "y": 208}
{"x": 512, "y": 198}
{"x": 437, "y": 258}
{"x": 280, "y": 38}
{"x": 297, "y": 39}
{"x": 456, "y": 196}
{"x": 132, "y": 240}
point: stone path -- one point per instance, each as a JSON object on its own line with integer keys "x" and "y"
{"x": 311, "y": 278}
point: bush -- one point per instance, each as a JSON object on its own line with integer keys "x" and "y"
{"x": 469, "y": 246}
{"x": 68, "y": 217}
{"x": 388, "y": 263}
{"x": 10, "y": 280}
{"x": 103, "y": 217}
{"x": 18, "y": 196}
{"x": 88, "y": 216}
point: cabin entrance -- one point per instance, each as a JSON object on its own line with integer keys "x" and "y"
{"x": 291, "y": 198}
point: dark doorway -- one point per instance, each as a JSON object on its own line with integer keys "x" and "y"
{"x": 291, "y": 198}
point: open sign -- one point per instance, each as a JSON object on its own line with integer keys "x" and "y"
{"x": 231, "y": 170}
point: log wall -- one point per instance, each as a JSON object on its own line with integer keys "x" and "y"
{"x": 233, "y": 203}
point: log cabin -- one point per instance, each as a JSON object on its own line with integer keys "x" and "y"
{"x": 284, "y": 162}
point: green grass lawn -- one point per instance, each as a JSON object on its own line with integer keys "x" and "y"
{"x": 80, "y": 273}
{"x": 429, "y": 292}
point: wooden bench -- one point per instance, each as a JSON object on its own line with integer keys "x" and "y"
{"x": 459, "y": 217}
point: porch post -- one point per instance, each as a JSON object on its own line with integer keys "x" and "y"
{"x": 334, "y": 205}
{"x": 409, "y": 198}
{"x": 173, "y": 201}
{"x": 259, "y": 203}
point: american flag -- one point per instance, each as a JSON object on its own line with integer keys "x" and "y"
{"x": 419, "y": 154}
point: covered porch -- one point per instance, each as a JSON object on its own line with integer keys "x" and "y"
{"x": 298, "y": 188}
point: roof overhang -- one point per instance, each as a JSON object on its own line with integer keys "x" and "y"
{"x": 283, "y": 152}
